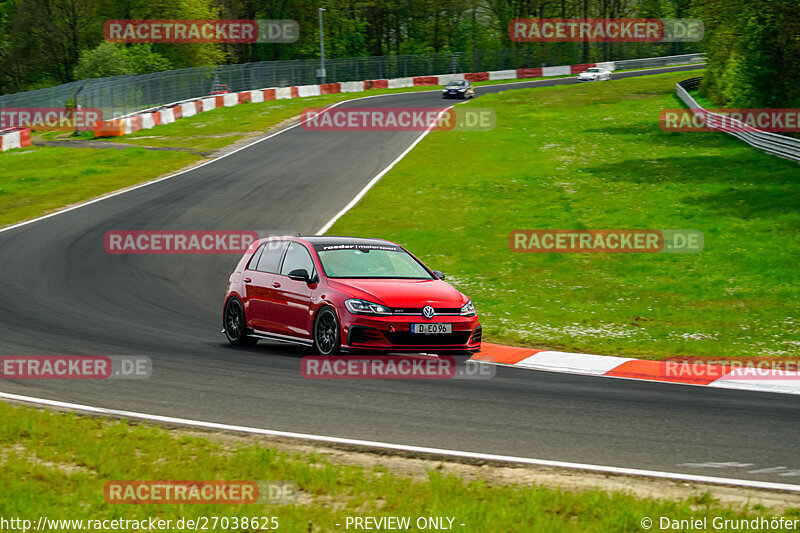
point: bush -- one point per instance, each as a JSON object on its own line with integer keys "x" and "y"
{"x": 113, "y": 60}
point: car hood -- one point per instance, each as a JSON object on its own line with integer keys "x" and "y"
{"x": 451, "y": 87}
{"x": 401, "y": 292}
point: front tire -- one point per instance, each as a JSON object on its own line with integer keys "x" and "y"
{"x": 235, "y": 324}
{"x": 327, "y": 333}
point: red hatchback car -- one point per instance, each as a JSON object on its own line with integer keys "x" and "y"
{"x": 344, "y": 293}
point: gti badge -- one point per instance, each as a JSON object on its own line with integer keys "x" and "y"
{"x": 427, "y": 311}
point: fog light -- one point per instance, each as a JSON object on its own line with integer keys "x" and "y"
{"x": 391, "y": 328}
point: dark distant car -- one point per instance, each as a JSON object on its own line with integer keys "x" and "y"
{"x": 346, "y": 293}
{"x": 458, "y": 89}
{"x": 219, "y": 88}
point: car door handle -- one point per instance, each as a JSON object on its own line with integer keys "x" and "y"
{"x": 276, "y": 284}
{"x": 247, "y": 280}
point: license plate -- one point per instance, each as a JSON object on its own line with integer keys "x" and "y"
{"x": 432, "y": 328}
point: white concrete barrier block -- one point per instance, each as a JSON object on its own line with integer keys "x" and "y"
{"x": 283, "y": 92}
{"x": 147, "y": 121}
{"x": 209, "y": 104}
{"x": 352, "y": 86}
{"x": 304, "y": 91}
{"x": 167, "y": 116}
{"x": 188, "y": 110}
{"x": 557, "y": 71}
{"x": 396, "y": 83}
{"x": 230, "y": 99}
{"x": 502, "y": 74}
{"x": 256, "y": 96}
{"x": 11, "y": 140}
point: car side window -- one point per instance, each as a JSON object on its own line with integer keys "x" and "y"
{"x": 297, "y": 257}
{"x": 271, "y": 256}
{"x": 251, "y": 265}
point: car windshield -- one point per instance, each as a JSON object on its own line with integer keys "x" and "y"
{"x": 369, "y": 261}
{"x": 459, "y": 83}
{"x": 593, "y": 70}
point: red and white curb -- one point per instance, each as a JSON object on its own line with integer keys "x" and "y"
{"x": 14, "y": 138}
{"x": 171, "y": 112}
{"x": 751, "y": 378}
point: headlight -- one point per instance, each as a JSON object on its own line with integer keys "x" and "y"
{"x": 363, "y": 307}
{"x": 462, "y": 90}
{"x": 468, "y": 309}
{"x": 444, "y": 90}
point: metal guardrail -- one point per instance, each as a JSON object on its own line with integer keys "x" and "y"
{"x": 659, "y": 61}
{"x": 771, "y": 143}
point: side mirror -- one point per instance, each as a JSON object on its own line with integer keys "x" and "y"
{"x": 300, "y": 274}
{"x": 439, "y": 274}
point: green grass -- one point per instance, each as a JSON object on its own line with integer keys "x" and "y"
{"x": 36, "y": 180}
{"x": 56, "y": 465}
{"x": 594, "y": 156}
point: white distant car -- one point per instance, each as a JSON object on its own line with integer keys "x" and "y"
{"x": 595, "y": 74}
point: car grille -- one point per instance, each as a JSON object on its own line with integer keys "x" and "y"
{"x": 418, "y": 310}
{"x": 415, "y": 339}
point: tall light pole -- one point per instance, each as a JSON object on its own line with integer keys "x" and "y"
{"x": 321, "y": 73}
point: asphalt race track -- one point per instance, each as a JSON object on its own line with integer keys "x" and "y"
{"x": 61, "y": 293}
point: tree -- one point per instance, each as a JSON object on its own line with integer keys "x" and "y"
{"x": 753, "y": 53}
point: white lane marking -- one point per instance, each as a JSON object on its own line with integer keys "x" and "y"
{"x": 382, "y": 173}
{"x": 408, "y": 448}
{"x": 712, "y": 464}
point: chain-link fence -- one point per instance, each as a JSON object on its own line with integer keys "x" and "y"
{"x": 120, "y": 95}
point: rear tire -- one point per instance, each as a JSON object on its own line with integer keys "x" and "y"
{"x": 235, "y": 324}
{"x": 327, "y": 333}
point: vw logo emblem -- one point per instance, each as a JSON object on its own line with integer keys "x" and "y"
{"x": 427, "y": 311}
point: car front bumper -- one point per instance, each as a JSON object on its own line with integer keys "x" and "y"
{"x": 393, "y": 333}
